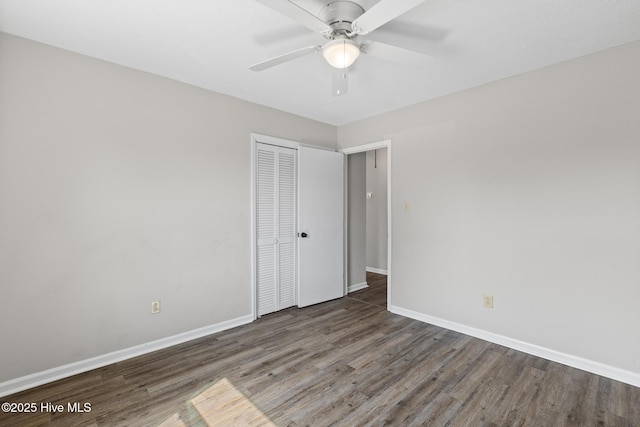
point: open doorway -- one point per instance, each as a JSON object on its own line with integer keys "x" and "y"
{"x": 368, "y": 199}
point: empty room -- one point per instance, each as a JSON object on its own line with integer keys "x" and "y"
{"x": 313, "y": 213}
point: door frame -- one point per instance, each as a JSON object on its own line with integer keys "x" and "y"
{"x": 280, "y": 142}
{"x": 361, "y": 149}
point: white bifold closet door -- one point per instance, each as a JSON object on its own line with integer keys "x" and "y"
{"x": 276, "y": 177}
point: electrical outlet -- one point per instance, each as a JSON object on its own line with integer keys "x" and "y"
{"x": 155, "y": 307}
{"x": 487, "y": 301}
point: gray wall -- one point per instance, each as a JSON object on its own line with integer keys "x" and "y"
{"x": 118, "y": 187}
{"x": 527, "y": 188}
{"x": 377, "y": 223}
{"x": 357, "y": 212}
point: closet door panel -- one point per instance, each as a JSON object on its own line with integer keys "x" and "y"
{"x": 266, "y": 257}
{"x": 287, "y": 227}
{"x": 276, "y": 249}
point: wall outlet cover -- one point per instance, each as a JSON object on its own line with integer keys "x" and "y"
{"x": 155, "y": 307}
{"x": 487, "y": 301}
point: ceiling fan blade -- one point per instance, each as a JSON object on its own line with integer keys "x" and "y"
{"x": 411, "y": 31}
{"x": 298, "y": 14}
{"x": 381, "y": 13}
{"x": 340, "y": 81}
{"x": 395, "y": 53}
{"x": 285, "y": 58}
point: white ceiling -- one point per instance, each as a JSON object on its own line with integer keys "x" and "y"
{"x": 211, "y": 44}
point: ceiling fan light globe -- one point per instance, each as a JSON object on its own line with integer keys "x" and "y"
{"x": 341, "y": 53}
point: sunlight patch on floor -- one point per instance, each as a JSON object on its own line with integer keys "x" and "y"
{"x": 223, "y": 405}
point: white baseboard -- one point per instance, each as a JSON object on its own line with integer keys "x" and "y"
{"x": 357, "y": 287}
{"x": 39, "y": 378}
{"x": 597, "y": 368}
{"x": 376, "y": 270}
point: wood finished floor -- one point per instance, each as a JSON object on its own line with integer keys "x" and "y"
{"x": 346, "y": 362}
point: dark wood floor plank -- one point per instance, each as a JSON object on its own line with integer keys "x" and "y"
{"x": 437, "y": 411}
{"x": 347, "y": 362}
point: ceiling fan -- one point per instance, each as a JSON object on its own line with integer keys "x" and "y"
{"x": 341, "y": 22}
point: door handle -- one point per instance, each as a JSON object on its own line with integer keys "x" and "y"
{"x": 304, "y": 235}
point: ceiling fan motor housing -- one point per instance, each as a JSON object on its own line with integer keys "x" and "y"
{"x": 339, "y": 15}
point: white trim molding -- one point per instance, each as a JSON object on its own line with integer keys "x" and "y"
{"x": 587, "y": 365}
{"x": 357, "y": 287}
{"x": 33, "y": 380}
{"x": 376, "y": 270}
{"x": 366, "y": 147}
